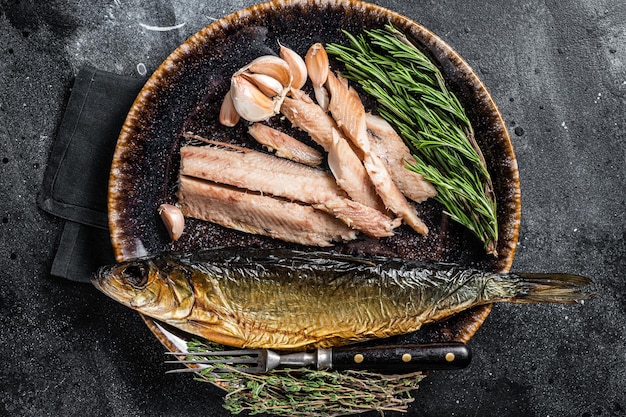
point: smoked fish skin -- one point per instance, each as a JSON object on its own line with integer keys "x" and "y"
{"x": 288, "y": 300}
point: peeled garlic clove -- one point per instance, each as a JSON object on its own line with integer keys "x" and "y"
{"x": 270, "y": 65}
{"x": 228, "y": 114}
{"x": 173, "y": 220}
{"x": 321, "y": 96}
{"x": 296, "y": 65}
{"x": 270, "y": 86}
{"x": 317, "y": 64}
{"x": 249, "y": 101}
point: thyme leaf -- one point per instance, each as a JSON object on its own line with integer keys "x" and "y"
{"x": 305, "y": 392}
{"x": 412, "y": 95}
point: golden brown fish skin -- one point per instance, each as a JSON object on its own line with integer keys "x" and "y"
{"x": 285, "y": 299}
{"x": 258, "y": 214}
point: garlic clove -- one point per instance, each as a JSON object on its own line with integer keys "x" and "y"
{"x": 296, "y": 65}
{"x": 249, "y": 101}
{"x": 173, "y": 220}
{"x": 317, "y": 64}
{"x": 271, "y": 65}
{"x": 321, "y": 96}
{"x": 270, "y": 86}
{"x": 228, "y": 114}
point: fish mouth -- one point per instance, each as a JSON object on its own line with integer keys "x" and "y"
{"x": 100, "y": 281}
{"x": 97, "y": 278}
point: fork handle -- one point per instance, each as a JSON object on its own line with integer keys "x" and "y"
{"x": 402, "y": 358}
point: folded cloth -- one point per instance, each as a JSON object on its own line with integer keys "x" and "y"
{"x": 76, "y": 178}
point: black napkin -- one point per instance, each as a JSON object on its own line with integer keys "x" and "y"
{"x": 76, "y": 178}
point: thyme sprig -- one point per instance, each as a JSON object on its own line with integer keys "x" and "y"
{"x": 307, "y": 392}
{"x": 412, "y": 95}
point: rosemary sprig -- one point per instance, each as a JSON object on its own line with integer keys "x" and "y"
{"x": 307, "y": 392}
{"x": 413, "y": 97}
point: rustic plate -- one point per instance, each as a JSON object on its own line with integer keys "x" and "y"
{"x": 184, "y": 95}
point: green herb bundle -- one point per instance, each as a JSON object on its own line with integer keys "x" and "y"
{"x": 307, "y": 392}
{"x": 413, "y": 97}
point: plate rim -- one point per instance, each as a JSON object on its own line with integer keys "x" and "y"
{"x": 416, "y": 29}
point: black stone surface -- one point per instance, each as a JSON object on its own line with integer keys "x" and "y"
{"x": 557, "y": 70}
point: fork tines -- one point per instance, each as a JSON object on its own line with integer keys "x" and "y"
{"x": 230, "y": 357}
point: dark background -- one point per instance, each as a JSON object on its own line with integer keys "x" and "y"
{"x": 556, "y": 69}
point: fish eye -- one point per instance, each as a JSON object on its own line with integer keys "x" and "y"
{"x": 136, "y": 275}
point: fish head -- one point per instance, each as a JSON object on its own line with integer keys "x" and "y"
{"x": 148, "y": 286}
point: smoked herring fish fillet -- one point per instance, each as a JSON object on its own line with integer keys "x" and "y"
{"x": 258, "y": 214}
{"x": 368, "y": 220}
{"x": 349, "y": 114}
{"x": 391, "y": 195}
{"x": 256, "y": 171}
{"x": 392, "y": 150}
{"x": 344, "y": 163}
{"x": 285, "y": 146}
{"x": 350, "y": 173}
{"x": 310, "y": 117}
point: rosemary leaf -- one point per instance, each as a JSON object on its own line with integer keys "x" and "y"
{"x": 412, "y": 95}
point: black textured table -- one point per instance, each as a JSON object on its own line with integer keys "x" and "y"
{"x": 557, "y": 71}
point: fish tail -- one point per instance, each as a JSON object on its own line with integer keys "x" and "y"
{"x": 552, "y": 288}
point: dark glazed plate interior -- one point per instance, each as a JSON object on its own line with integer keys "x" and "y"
{"x": 185, "y": 92}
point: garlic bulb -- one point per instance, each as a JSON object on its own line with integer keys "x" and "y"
{"x": 258, "y": 89}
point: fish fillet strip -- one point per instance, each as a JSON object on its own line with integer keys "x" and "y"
{"x": 368, "y": 220}
{"x": 310, "y": 117}
{"x": 256, "y": 171}
{"x": 285, "y": 146}
{"x": 348, "y": 111}
{"x": 344, "y": 163}
{"x": 390, "y": 147}
{"x": 258, "y": 214}
{"x": 350, "y": 173}
{"x": 391, "y": 195}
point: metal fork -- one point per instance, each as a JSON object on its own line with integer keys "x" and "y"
{"x": 385, "y": 358}
{"x": 254, "y": 361}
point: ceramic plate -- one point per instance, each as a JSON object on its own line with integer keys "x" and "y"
{"x": 185, "y": 92}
